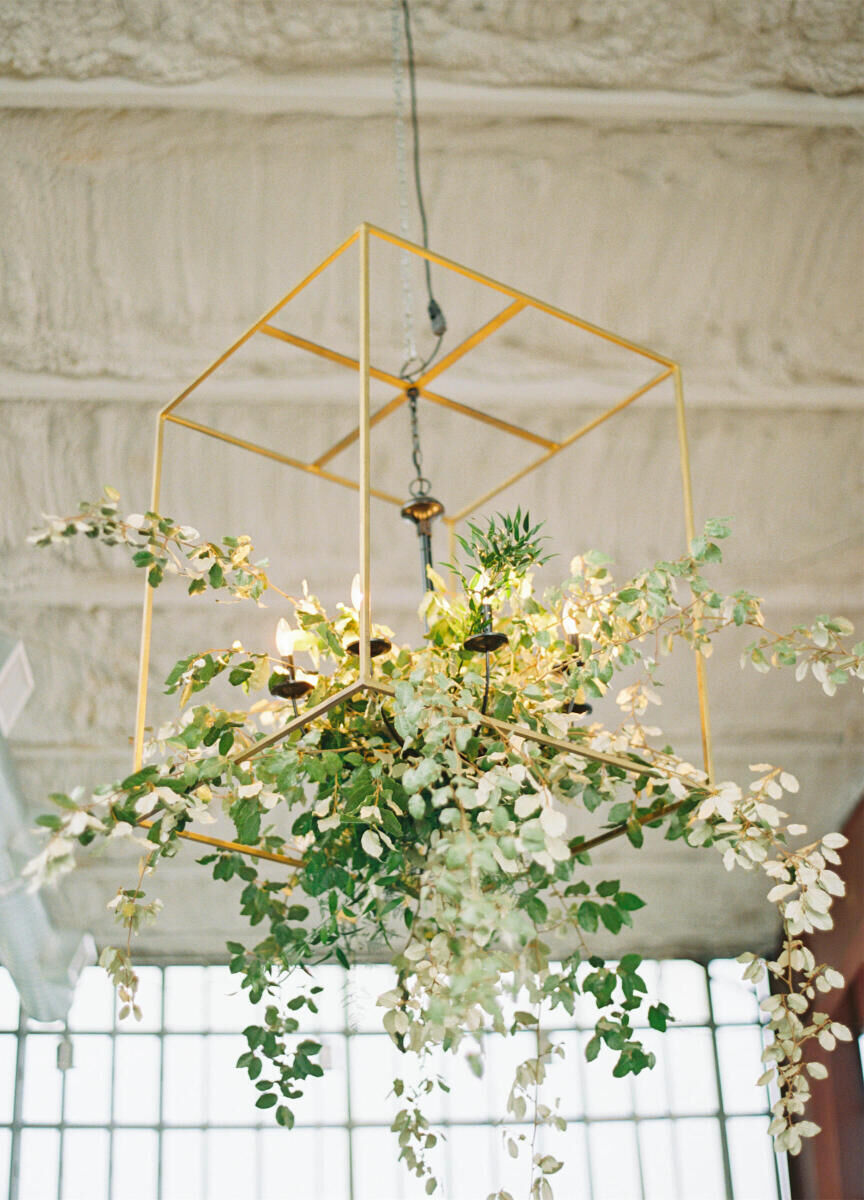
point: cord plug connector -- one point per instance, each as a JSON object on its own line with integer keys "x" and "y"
{"x": 436, "y": 318}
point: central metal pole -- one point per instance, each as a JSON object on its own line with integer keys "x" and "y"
{"x": 365, "y": 555}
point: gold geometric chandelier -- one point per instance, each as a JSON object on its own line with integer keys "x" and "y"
{"x": 271, "y": 325}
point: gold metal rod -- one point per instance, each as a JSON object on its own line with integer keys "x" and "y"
{"x": 254, "y": 448}
{"x": 147, "y": 611}
{"x": 568, "y": 441}
{"x": 690, "y": 525}
{"x": 344, "y": 360}
{"x": 532, "y": 735}
{"x": 610, "y": 760}
{"x": 303, "y": 718}
{"x": 620, "y": 830}
{"x": 271, "y": 312}
{"x": 365, "y": 474}
{"x": 474, "y": 340}
{"x": 451, "y": 549}
{"x": 352, "y": 437}
{"x": 452, "y": 265}
{"x": 477, "y": 415}
{"x": 237, "y": 847}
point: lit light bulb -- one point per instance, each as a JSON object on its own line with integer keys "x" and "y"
{"x": 570, "y": 624}
{"x": 286, "y": 638}
{"x": 356, "y": 593}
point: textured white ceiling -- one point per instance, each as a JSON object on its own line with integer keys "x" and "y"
{"x": 141, "y": 240}
{"x": 699, "y": 45}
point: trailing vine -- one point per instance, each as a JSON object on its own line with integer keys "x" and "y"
{"x": 448, "y": 835}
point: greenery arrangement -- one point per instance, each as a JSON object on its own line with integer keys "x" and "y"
{"x": 442, "y": 830}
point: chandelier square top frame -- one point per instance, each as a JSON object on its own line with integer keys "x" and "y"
{"x": 515, "y": 302}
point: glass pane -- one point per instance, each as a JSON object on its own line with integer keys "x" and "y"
{"x": 40, "y": 1158}
{"x": 231, "y": 1094}
{"x": 699, "y": 1155}
{"x": 93, "y": 1003}
{"x": 183, "y": 1096}
{"x": 325, "y": 1101}
{"x": 42, "y": 1080}
{"x": 8, "y": 1001}
{"x": 733, "y": 999}
{"x": 232, "y": 1164}
{"x": 570, "y": 1148}
{"x": 504, "y": 1055}
{"x": 8, "y": 1057}
{"x": 649, "y": 970}
{"x": 684, "y": 988}
{"x": 563, "y": 1075}
{"x": 5, "y": 1159}
{"x": 377, "y": 1173}
{"x": 228, "y": 1004}
{"x": 739, "y": 1050}
{"x": 472, "y": 1154}
{"x": 149, "y": 1001}
{"x": 186, "y": 993}
{"x": 752, "y": 1158}
{"x": 366, "y": 982}
{"x": 470, "y": 1097}
{"x": 85, "y": 1164}
{"x": 651, "y": 1088}
{"x": 136, "y": 1164}
{"x": 88, "y": 1082}
{"x": 312, "y": 1163}
{"x": 183, "y": 1164}
{"x": 656, "y": 1149}
{"x": 375, "y": 1063}
{"x": 605, "y": 1096}
{"x": 690, "y": 1059}
{"x": 136, "y": 1079}
{"x": 614, "y": 1161}
{"x": 331, "y": 1015}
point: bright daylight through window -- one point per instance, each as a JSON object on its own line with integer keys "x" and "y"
{"x": 694, "y": 1126}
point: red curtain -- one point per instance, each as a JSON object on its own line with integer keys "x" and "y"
{"x": 831, "y": 1166}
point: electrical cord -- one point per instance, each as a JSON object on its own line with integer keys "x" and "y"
{"x": 437, "y": 320}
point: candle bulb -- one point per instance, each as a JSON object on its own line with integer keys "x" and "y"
{"x": 377, "y": 645}
{"x": 288, "y": 687}
{"x": 578, "y": 704}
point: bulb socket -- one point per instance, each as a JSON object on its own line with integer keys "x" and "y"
{"x": 377, "y": 647}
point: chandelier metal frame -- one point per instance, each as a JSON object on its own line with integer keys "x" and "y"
{"x": 517, "y": 301}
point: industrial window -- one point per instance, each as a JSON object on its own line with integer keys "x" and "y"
{"x": 157, "y": 1111}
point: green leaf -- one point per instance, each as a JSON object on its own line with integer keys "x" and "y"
{"x": 608, "y": 887}
{"x": 658, "y": 1017}
{"x": 588, "y": 916}
{"x": 267, "y": 1100}
{"x": 629, "y": 901}
{"x": 246, "y": 816}
{"x": 611, "y": 918}
{"x": 593, "y": 1048}
{"x": 634, "y": 833}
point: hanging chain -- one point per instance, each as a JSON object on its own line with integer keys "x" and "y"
{"x": 420, "y": 485}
